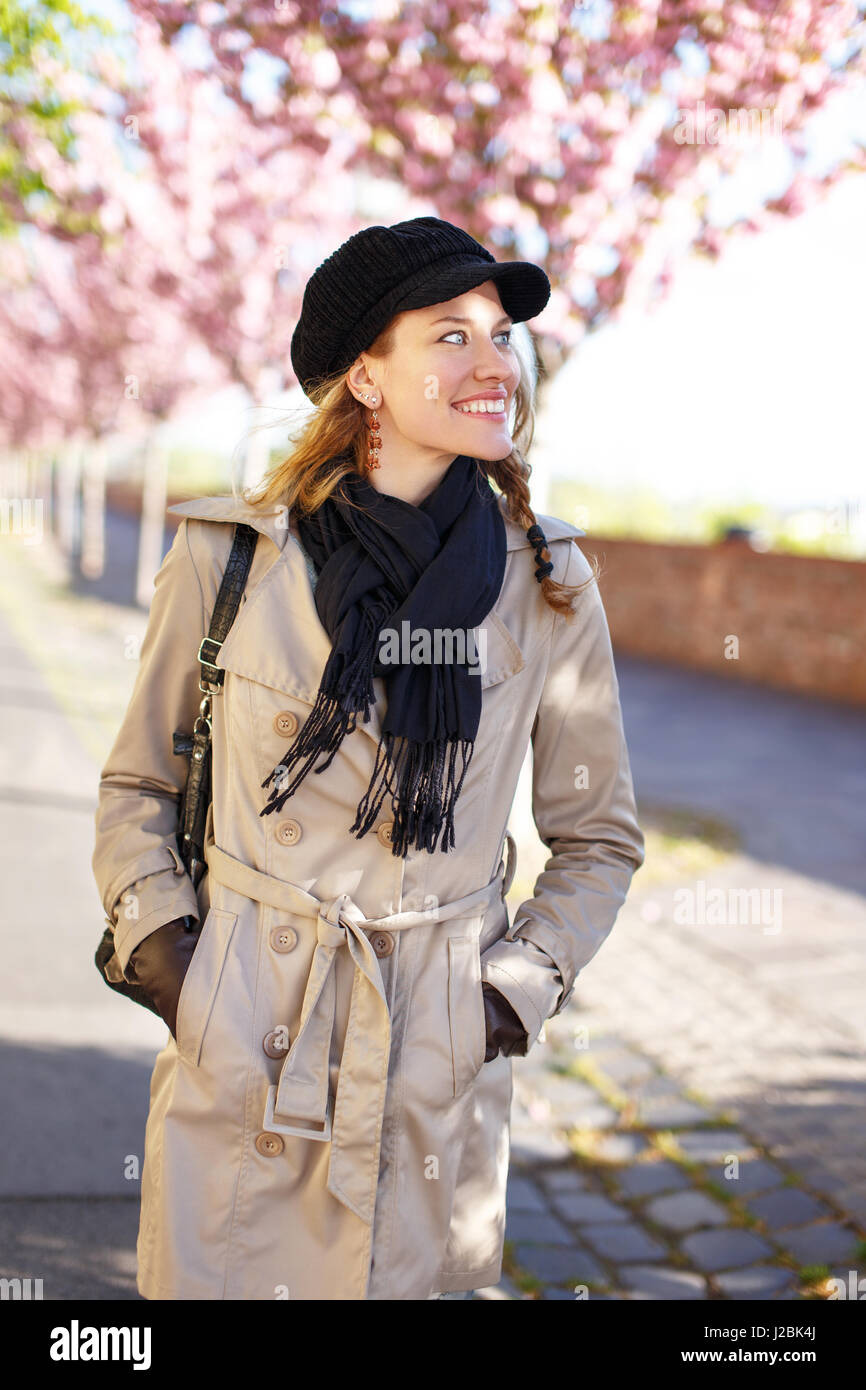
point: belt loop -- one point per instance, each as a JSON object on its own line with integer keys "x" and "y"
{"x": 511, "y": 865}
{"x": 179, "y": 866}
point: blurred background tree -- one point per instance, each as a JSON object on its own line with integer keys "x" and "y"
{"x": 37, "y": 39}
{"x": 191, "y": 163}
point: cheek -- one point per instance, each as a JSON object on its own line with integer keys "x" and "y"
{"x": 443, "y": 387}
{"x": 427, "y": 399}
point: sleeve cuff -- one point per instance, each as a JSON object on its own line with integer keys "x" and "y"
{"x": 528, "y": 979}
{"x": 159, "y": 898}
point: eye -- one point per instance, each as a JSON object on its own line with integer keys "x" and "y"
{"x": 461, "y": 332}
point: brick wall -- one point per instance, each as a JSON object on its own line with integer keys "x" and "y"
{"x": 800, "y": 621}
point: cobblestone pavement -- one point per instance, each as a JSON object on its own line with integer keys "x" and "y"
{"x": 693, "y": 1124}
{"x": 769, "y": 1027}
{"x": 691, "y": 1127}
{"x": 625, "y": 1185}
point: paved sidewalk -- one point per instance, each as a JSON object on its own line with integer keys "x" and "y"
{"x": 684, "y": 1047}
{"x": 75, "y": 1059}
{"x": 786, "y": 771}
{"x": 627, "y": 1185}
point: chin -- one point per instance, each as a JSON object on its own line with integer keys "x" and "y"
{"x": 493, "y": 453}
{"x": 496, "y": 446}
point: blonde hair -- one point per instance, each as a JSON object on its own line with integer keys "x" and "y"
{"x": 332, "y": 443}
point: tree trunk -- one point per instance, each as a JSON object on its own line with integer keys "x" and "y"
{"x": 154, "y": 492}
{"x": 543, "y": 454}
{"x": 93, "y": 511}
{"x": 68, "y": 480}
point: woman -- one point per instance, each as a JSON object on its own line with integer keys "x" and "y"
{"x": 329, "y": 1116}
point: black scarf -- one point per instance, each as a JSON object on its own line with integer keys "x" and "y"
{"x": 381, "y": 561}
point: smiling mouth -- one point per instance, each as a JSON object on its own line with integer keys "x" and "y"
{"x": 486, "y": 409}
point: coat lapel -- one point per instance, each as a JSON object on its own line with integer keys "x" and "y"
{"x": 277, "y": 638}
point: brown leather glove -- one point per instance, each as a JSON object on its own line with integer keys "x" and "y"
{"x": 505, "y": 1032}
{"x": 160, "y": 963}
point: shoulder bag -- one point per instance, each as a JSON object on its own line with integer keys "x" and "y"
{"x": 196, "y": 746}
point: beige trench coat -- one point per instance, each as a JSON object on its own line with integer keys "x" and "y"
{"x": 325, "y": 1126}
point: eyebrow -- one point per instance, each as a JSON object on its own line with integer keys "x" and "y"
{"x": 452, "y": 318}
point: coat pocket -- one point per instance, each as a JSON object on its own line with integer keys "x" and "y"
{"x": 201, "y": 982}
{"x": 466, "y": 1019}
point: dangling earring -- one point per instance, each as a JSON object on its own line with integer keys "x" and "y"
{"x": 374, "y": 444}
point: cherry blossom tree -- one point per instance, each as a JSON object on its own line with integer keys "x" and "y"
{"x": 574, "y": 134}
{"x": 192, "y": 280}
{"x": 249, "y": 207}
{"x": 580, "y": 136}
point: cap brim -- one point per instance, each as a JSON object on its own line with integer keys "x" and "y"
{"x": 524, "y": 288}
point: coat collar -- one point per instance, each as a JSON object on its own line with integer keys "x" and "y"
{"x": 278, "y": 640}
{"x": 277, "y": 522}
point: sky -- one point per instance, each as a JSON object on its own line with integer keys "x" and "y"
{"x": 748, "y": 380}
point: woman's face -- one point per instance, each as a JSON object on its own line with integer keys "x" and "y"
{"x": 447, "y": 387}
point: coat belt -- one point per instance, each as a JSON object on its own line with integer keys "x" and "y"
{"x": 353, "y": 1122}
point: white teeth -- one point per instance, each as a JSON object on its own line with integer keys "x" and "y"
{"x": 482, "y": 408}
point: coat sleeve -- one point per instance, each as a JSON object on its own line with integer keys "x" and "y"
{"x": 140, "y": 876}
{"x": 584, "y": 809}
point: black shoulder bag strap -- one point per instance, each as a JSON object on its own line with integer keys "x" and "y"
{"x": 192, "y": 812}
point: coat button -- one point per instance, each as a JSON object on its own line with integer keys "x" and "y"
{"x": 284, "y": 939}
{"x": 384, "y": 832}
{"x": 276, "y": 1043}
{"x": 382, "y": 943}
{"x": 286, "y": 723}
{"x": 288, "y": 832}
{"x": 269, "y": 1144}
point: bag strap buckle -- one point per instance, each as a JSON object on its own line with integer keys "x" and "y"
{"x": 210, "y": 684}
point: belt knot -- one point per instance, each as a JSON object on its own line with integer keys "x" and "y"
{"x": 333, "y": 919}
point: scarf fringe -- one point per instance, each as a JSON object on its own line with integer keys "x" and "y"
{"x": 323, "y": 732}
{"x": 334, "y": 715}
{"x": 421, "y": 780}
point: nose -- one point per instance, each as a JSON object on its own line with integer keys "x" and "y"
{"x": 491, "y": 365}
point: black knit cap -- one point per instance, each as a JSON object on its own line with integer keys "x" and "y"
{"x": 383, "y": 271}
